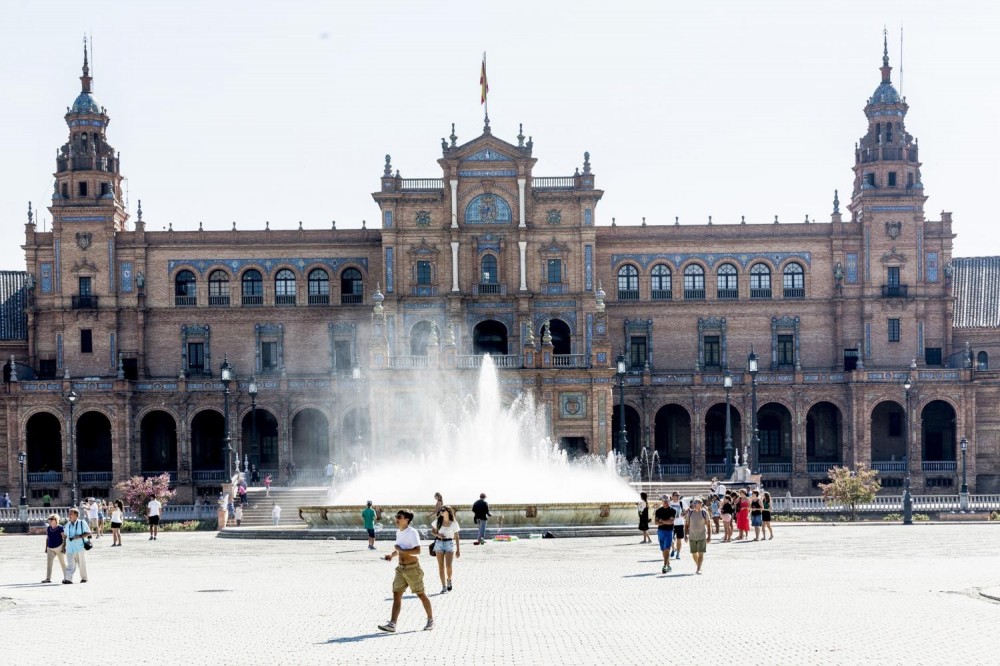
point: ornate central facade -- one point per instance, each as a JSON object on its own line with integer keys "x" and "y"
{"x": 343, "y": 329}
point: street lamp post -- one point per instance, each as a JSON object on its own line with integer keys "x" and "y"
{"x": 963, "y": 497}
{"x": 907, "y": 498}
{"x": 252, "y": 389}
{"x": 71, "y": 398}
{"x": 22, "y": 458}
{"x": 621, "y": 371}
{"x": 727, "y": 382}
{"x": 749, "y": 457}
{"x": 226, "y": 374}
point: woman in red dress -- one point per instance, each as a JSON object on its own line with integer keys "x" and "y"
{"x": 743, "y": 515}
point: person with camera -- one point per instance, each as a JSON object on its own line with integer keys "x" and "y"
{"x": 77, "y": 544}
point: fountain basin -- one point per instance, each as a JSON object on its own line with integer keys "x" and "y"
{"x": 569, "y": 514}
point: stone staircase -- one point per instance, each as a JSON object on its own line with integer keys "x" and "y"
{"x": 257, "y": 512}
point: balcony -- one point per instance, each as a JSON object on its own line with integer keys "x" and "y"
{"x": 208, "y": 475}
{"x": 319, "y": 299}
{"x": 795, "y": 292}
{"x": 628, "y": 294}
{"x": 775, "y": 468}
{"x": 569, "y": 360}
{"x": 86, "y": 302}
{"x": 218, "y": 301}
{"x": 285, "y": 300}
{"x": 185, "y": 301}
{"x": 351, "y": 299}
{"x": 671, "y": 469}
{"x": 45, "y": 477}
{"x": 550, "y": 183}
{"x": 694, "y": 294}
{"x": 727, "y": 294}
{"x": 152, "y": 475}
{"x": 422, "y": 184}
{"x": 662, "y": 295}
{"x": 889, "y": 465}
{"x": 489, "y": 289}
{"x": 821, "y": 467}
{"x": 938, "y": 466}
{"x": 94, "y": 477}
{"x": 253, "y": 300}
{"x": 408, "y": 362}
{"x": 760, "y": 293}
{"x": 895, "y": 290}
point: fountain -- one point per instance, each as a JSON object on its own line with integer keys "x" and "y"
{"x": 478, "y": 445}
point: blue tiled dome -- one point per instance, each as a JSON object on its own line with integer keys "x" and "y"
{"x": 85, "y": 103}
{"x": 885, "y": 94}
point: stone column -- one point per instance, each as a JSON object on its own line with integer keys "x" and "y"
{"x": 454, "y": 204}
{"x": 523, "y": 248}
{"x": 520, "y": 201}
{"x": 454, "y": 266}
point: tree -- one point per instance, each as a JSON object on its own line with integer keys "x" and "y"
{"x": 850, "y": 489}
{"x": 137, "y": 491}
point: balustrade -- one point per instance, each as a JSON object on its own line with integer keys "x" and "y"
{"x": 569, "y": 361}
{"x": 938, "y": 465}
{"x": 775, "y": 468}
{"x": 550, "y": 183}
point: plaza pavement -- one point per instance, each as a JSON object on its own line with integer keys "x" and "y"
{"x": 816, "y": 594}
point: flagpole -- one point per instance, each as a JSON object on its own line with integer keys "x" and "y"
{"x": 486, "y": 96}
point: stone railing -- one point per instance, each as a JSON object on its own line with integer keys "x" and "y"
{"x": 407, "y": 362}
{"x": 569, "y": 360}
{"x": 507, "y": 361}
{"x": 886, "y": 504}
{"x": 39, "y": 515}
{"x": 674, "y": 469}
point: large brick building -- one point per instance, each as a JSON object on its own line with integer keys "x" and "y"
{"x": 344, "y": 329}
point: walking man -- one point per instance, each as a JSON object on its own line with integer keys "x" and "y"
{"x": 368, "y": 515}
{"x": 408, "y": 572}
{"x": 677, "y": 504}
{"x": 481, "y": 511}
{"x": 698, "y": 531}
{"x": 153, "y": 516}
{"x": 76, "y": 531}
{"x": 665, "y": 530}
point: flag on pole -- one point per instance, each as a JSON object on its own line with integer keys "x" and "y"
{"x": 483, "y": 84}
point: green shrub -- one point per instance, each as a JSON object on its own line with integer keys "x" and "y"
{"x": 892, "y": 518}
{"x": 921, "y": 517}
{"x": 813, "y": 519}
{"x": 995, "y": 515}
{"x": 784, "y": 518}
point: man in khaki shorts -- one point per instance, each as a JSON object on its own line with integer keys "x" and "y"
{"x": 696, "y": 527}
{"x": 408, "y": 572}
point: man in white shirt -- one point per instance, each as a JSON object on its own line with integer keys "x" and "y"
{"x": 408, "y": 572}
{"x": 677, "y": 504}
{"x": 153, "y": 516}
{"x": 93, "y": 508}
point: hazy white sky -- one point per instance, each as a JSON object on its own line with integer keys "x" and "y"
{"x": 284, "y": 111}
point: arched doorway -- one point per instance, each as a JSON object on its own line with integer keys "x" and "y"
{"x": 715, "y": 435}
{"x": 774, "y": 432}
{"x": 489, "y": 337}
{"x": 824, "y": 444}
{"x": 562, "y": 340}
{"x": 672, "y": 436}
{"x": 208, "y": 434}
{"x": 93, "y": 455}
{"x": 937, "y": 432}
{"x": 158, "y": 443}
{"x": 43, "y": 444}
{"x": 888, "y": 436}
{"x": 420, "y": 337}
{"x": 311, "y": 440}
{"x": 633, "y": 430}
{"x": 260, "y": 441}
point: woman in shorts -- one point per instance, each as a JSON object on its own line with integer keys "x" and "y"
{"x": 756, "y": 514}
{"x": 716, "y": 509}
{"x": 727, "y": 509}
{"x": 766, "y": 516}
{"x": 117, "y": 516}
{"x": 446, "y": 545}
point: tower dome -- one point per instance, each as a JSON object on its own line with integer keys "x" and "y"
{"x": 85, "y": 103}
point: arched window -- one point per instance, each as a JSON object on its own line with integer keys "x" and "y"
{"x": 694, "y": 282}
{"x": 727, "y": 286}
{"x": 351, "y": 287}
{"x": 662, "y": 285}
{"x": 218, "y": 288}
{"x": 253, "y": 287}
{"x": 982, "y": 361}
{"x": 628, "y": 283}
{"x": 319, "y": 287}
{"x": 760, "y": 281}
{"x": 284, "y": 287}
{"x": 794, "y": 281}
{"x": 185, "y": 292}
{"x": 489, "y": 275}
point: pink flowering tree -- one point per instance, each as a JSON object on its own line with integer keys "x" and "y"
{"x": 137, "y": 491}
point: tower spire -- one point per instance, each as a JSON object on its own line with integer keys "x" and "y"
{"x": 85, "y": 79}
{"x": 885, "y": 55}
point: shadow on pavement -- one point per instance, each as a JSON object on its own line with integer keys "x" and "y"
{"x": 362, "y": 637}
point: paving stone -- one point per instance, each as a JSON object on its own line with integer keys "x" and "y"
{"x": 832, "y": 594}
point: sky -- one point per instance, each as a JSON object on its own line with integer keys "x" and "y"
{"x": 284, "y": 111}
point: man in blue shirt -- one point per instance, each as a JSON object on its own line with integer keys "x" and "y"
{"x": 76, "y": 532}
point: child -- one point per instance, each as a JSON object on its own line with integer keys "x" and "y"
{"x": 239, "y": 514}
{"x": 267, "y": 486}
{"x": 275, "y": 514}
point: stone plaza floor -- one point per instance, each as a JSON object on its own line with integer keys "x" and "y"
{"x": 816, "y": 594}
